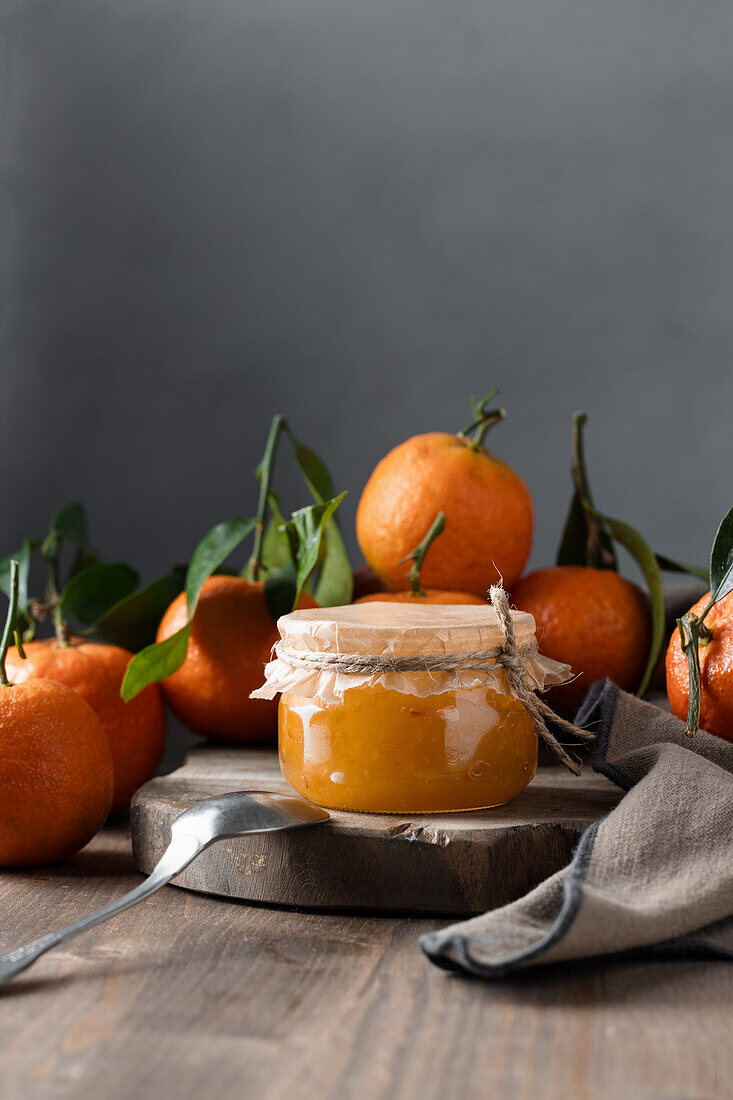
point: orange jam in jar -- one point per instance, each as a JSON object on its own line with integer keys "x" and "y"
{"x": 381, "y": 737}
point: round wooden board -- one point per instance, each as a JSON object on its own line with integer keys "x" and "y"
{"x": 452, "y": 864}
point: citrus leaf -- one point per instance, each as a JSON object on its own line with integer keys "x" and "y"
{"x": 91, "y": 593}
{"x": 572, "y": 544}
{"x": 162, "y": 659}
{"x": 721, "y": 560}
{"x": 668, "y": 565}
{"x": 133, "y": 621}
{"x": 315, "y": 472}
{"x": 280, "y": 591}
{"x": 83, "y": 558}
{"x": 211, "y": 552}
{"x": 310, "y": 523}
{"x": 69, "y": 523}
{"x": 336, "y": 581}
{"x": 23, "y": 558}
{"x": 305, "y": 531}
{"x": 275, "y": 548}
{"x": 155, "y": 663}
{"x": 646, "y": 559}
{"x": 276, "y": 552}
{"x": 573, "y": 549}
{"x": 585, "y": 539}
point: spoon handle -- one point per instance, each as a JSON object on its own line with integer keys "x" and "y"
{"x": 178, "y": 854}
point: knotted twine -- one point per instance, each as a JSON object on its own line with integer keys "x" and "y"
{"x": 509, "y": 656}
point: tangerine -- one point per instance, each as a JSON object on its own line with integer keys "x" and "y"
{"x": 232, "y": 635}
{"x": 592, "y": 619}
{"x": 430, "y": 595}
{"x": 716, "y": 670}
{"x": 56, "y": 773}
{"x": 136, "y": 730}
{"x": 488, "y": 514}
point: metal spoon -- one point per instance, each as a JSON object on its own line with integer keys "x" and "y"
{"x": 191, "y": 832}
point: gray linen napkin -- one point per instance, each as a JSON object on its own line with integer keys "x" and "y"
{"x": 653, "y": 877}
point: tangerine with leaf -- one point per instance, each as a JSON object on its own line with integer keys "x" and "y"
{"x": 230, "y": 640}
{"x": 216, "y": 637}
{"x": 487, "y": 506}
{"x": 699, "y": 662}
{"x": 56, "y": 768}
{"x": 587, "y": 615}
{"x": 94, "y": 593}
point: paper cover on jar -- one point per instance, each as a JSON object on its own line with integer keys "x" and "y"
{"x": 398, "y": 630}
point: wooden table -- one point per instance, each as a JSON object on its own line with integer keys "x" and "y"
{"x": 188, "y": 996}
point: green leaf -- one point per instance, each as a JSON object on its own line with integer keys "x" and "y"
{"x": 211, "y": 552}
{"x": 275, "y": 548}
{"x": 280, "y": 591}
{"x": 83, "y": 558}
{"x": 69, "y": 523}
{"x": 155, "y": 663}
{"x": 315, "y": 472}
{"x": 667, "y": 565}
{"x": 23, "y": 558}
{"x": 306, "y": 529}
{"x": 647, "y": 562}
{"x": 721, "y": 560}
{"x": 133, "y": 621}
{"x": 91, "y": 593}
{"x": 572, "y": 544}
{"x": 585, "y": 539}
{"x": 573, "y": 549}
{"x": 336, "y": 581}
{"x": 276, "y": 552}
{"x": 162, "y": 659}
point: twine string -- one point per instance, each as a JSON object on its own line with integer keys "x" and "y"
{"x": 509, "y": 656}
{"x": 366, "y": 663}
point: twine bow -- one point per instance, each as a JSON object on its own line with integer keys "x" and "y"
{"x": 509, "y": 655}
{"x": 514, "y": 664}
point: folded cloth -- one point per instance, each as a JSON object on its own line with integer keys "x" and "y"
{"x": 654, "y": 877}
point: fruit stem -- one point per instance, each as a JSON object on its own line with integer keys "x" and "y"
{"x": 596, "y": 555}
{"x": 50, "y": 605}
{"x": 61, "y": 627}
{"x": 689, "y": 640}
{"x": 484, "y": 418}
{"x": 417, "y": 556}
{"x": 10, "y": 618}
{"x": 709, "y": 606}
{"x": 264, "y": 476}
{"x": 692, "y": 632}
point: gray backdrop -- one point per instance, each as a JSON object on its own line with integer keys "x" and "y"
{"x": 357, "y": 212}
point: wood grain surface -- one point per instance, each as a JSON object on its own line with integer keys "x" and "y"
{"x": 445, "y": 863}
{"x": 189, "y": 996}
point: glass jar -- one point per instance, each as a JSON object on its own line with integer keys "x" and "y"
{"x": 400, "y": 741}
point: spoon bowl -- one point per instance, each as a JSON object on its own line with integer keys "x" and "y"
{"x": 244, "y": 812}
